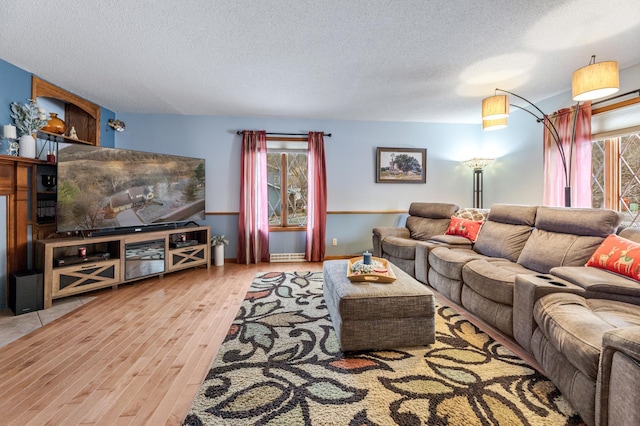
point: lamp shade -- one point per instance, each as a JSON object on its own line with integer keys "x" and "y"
{"x": 595, "y": 81}
{"x": 478, "y": 163}
{"x": 495, "y": 107}
{"x": 500, "y": 123}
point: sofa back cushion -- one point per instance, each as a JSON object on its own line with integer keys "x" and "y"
{"x": 433, "y": 210}
{"x": 506, "y": 231}
{"x": 429, "y": 219}
{"x": 566, "y": 237}
{"x": 632, "y": 234}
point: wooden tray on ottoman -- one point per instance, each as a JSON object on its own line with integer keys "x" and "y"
{"x": 375, "y": 277}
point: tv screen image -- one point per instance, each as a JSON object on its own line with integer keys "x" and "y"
{"x": 101, "y": 188}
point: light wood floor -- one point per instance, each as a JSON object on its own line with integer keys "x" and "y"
{"x": 135, "y": 355}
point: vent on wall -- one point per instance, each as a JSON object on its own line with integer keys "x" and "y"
{"x": 286, "y": 257}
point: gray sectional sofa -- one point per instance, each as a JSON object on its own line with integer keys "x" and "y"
{"x": 526, "y": 276}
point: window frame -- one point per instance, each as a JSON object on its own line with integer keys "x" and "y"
{"x": 612, "y": 137}
{"x": 283, "y": 145}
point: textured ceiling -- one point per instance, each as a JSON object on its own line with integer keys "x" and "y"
{"x": 404, "y": 60}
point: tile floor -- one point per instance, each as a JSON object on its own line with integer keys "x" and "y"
{"x": 12, "y": 327}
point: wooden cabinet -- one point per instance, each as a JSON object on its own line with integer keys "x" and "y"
{"x": 77, "y": 265}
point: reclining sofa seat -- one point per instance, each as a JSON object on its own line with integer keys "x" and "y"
{"x": 452, "y": 241}
{"x": 561, "y": 237}
{"x": 398, "y": 244}
{"x": 586, "y": 336}
{"x": 501, "y": 238}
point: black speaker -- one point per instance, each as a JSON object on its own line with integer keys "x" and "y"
{"x": 26, "y": 292}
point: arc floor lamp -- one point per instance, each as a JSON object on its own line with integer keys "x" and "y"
{"x": 596, "y": 80}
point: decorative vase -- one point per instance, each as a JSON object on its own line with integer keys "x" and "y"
{"x": 55, "y": 125}
{"x": 27, "y": 146}
{"x": 218, "y": 255}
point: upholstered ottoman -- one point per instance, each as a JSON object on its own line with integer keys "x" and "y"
{"x": 373, "y": 316}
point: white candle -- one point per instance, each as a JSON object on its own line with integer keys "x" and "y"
{"x": 9, "y": 131}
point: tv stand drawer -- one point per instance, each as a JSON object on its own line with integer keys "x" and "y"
{"x": 187, "y": 257}
{"x": 84, "y": 277}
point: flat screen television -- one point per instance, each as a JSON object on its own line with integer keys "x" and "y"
{"x": 110, "y": 189}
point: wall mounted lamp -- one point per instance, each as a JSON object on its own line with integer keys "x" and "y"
{"x": 478, "y": 165}
{"x": 594, "y": 81}
{"x": 116, "y": 125}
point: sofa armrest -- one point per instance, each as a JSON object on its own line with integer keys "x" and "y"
{"x": 618, "y": 377}
{"x": 382, "y": 232}
{"x": 527, "y": 290}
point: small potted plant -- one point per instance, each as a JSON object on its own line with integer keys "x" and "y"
{"x": 29, "y": 118}
{"x": 218, "y": 243}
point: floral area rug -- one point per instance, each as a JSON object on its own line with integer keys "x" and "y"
{"x": 281, "y": 365}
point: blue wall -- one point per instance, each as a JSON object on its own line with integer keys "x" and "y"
{"x": 351, "y": 158}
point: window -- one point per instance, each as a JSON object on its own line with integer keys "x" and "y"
{"x": 287, "y": 181}
{"x": 615, "y": 175}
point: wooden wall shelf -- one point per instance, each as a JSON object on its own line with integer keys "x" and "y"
{"x": 78, "y": 112}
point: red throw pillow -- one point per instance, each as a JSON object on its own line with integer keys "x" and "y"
{"x": 464, "y": 227}
{"x": 619, "y": 255}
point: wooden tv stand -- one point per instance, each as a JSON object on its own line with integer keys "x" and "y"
{"x": 106, "y": 262}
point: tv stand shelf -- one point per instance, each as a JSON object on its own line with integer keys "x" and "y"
{"x": 78, "y": 265}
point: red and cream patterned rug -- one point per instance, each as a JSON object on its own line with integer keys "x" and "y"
{"x": 281, "y": 365}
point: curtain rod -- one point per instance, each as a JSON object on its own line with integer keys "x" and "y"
{"x": 239, "y": 132}
{"x": 617, "y": 96}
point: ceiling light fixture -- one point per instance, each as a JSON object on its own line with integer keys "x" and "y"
{"x": 594, "y": 81}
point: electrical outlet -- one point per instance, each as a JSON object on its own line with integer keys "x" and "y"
{"x": 334, "y": 242}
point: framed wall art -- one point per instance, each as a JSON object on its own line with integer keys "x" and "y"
{"x": 401, "y": 165}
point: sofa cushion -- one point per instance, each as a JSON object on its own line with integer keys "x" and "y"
{"x": 619, "y": 255}
{"x": 428, "y": 219}
{"x": 422, "y": 229}
{"x": 432, "y": 210}
{"x": 464, "y": 227}
{"x": 632, "y": 234}
{"x": 513, "y": 214}
{"x": 578, "y": 221}
{"x": 402, "y": 248}
{"x": 493, "y": 279}
{"x": 452, "y": 240}
{"x": 575, "y": 326}
{"x": 506, "y": 230}
{"x": 502, "y": 240}
{"x": 449, "y": 262}
{"x": 566, "y": 236}
{"x": 545, "y": 250}
{"x": 598, "y": 280}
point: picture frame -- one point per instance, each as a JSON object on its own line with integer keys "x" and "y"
{"x": 401, "y": 165}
